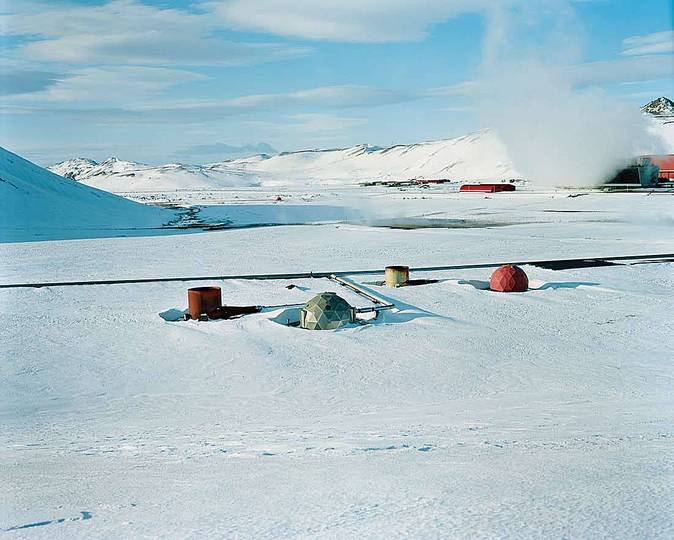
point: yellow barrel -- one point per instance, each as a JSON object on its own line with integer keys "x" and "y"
{"x": 396, "y": 276}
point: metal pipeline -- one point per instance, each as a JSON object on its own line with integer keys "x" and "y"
{"x": 587, "y": 262}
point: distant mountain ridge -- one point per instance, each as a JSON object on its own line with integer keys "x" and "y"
{"x": 476, "y": 156}
{"x": 473, "y": 157}
{"x": 82, "y": 168}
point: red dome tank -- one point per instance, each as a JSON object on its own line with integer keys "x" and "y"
{"x": 509, "y": 278}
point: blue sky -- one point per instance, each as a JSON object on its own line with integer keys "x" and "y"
{"x": 165, "y": 80}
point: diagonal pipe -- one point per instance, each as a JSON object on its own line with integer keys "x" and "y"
{"x": 359, "y": 289}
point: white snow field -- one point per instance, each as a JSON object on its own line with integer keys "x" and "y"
{"x": 462, "y": 413}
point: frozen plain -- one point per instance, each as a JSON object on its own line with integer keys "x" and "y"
{"x": 465, "y": 414}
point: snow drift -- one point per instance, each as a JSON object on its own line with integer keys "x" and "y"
{"x": 41, "y": 205}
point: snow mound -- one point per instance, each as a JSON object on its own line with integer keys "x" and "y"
{"x": 477, "y": 156}
{"x": 41, "y": 205}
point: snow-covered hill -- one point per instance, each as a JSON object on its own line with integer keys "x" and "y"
{"x": 38, "y": 204}
{"x": 477, "y": 156}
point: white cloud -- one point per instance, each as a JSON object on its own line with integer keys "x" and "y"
{"x": 373, "y": 21}
{"x": 129, "y": 32}
{"x": 128, "y": 29}
{"x": 64, "y": 18}
{"x": 155, "y": 48}
{"x": 121, "y": 97}
{"x": 464, "y": 88}
{"x": 16, "y": 81}
{"x": 111, "y": 85}
{"x": 656, "y": 43}
{"x": 308, "y": 123}
{"x": 640, "y": 68}
{"x": 381, "y": 21}
{"x": 308, "y": 130}
{"x": 328, "y": 96}
{"x": 623, "y": 71}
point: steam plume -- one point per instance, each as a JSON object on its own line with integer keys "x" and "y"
{"x": 557, "y": 132}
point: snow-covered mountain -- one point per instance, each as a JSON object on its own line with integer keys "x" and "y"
{"x": 41, "y": 205}
{"x": 477, "y": 156}
{"x": 661, "y": 106}
{"x": 74, "y": 168}
{"x": 83, "y": 168}
{"x": 117, "y": 175}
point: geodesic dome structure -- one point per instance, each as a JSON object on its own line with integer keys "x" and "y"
{"x": 326, "y": 311}
{"x": 509, "y": 278}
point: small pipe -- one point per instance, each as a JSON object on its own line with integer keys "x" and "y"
{"x": 362, "y": 292}
{"x": 279, "y": 306}
{"x": 375, "y": 309}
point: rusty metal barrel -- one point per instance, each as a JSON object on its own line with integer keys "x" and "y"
{"x": 396, "y": 276}
{"x": 203, "y": 300}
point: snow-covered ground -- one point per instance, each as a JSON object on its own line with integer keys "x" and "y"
{"x": 461, "y": 414}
